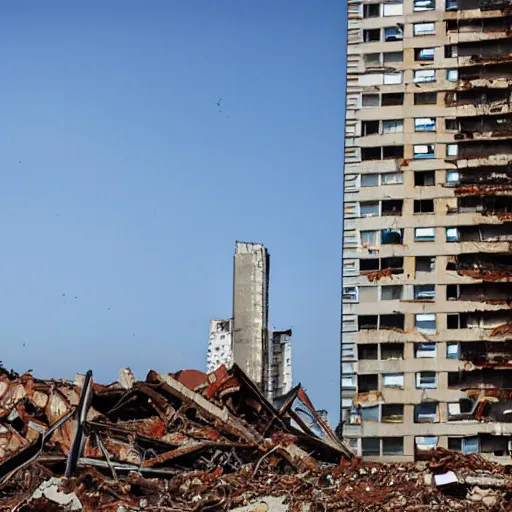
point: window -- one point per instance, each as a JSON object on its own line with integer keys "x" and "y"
{"x": 371, "y": 11}
{"x": 370, "y": 100}
{"x": 424, "y": 234}
{"x": 425, "y": 322}
{"x": 393, "y": 126}
{"x": 392, "y": 99}
{"x": 392, "y": 152}
{"x": 393, "y": 380}
{"x": 366, "y": 383}
{"x": 392, "y": 446}
{"x": 391, "y": 208}
{"x": 394, "y": 33}
{"x": 425, "y": 350}
{"x": 425, "y": 124}
{"x": 346, "y": 402}
{"x": 392, "y": 236}
{"x": 424, "y": 5}
{"x": 426, "y": 380}
{"x": 451, "y": 5}
{"x": 369, "y": 180}
{"x": 452, "y": 75}
{"x": 370, "y": 446}
{"x": 425, "y": 263}
{"x": 392, "y": 351}
{"x": 424, "y": 179}
{"x": 452, "y": 234}
{"x": 350, "y": 293}
{"x": 372, "y": 35}
{"x": 451, "y": 125}
{"x": 369, "y": 238}
{"x": 371, "y": 153}
{"x": 452, "y": 149}
{"x": 393, "y": 9}
{"x": 425, "y": 444}
{"x": 453, "y": 351}
{"x": 424, "y": 54}
{"x": 348, "y": 382}
{"x": 393, "y": 292}
{"x": 368, "y": 352}
{"x": 452, "y": 177}
{"x": 372, "y": 60}
{"x": 424, "y": 29}
{"x": 392, "y": 413}
{"x": 393, "y": 57}
{"x": 370, "y": 209}
{"x": 369, "y": 128}
{"x": 452, "y": 291}
{"x": 370, "y": 413}
{"x": 382, "y": 153}
{"x": 392, "y": 78}
{"x": 423, "y": 206}
{"x": 424, "y": 151}
{"x": 368, "y": 293}
{"x": 450, "y": 51}
{"x": 424, "y": 292}
{"x": 426, "y": 412}
{"x": 425, "y": 98}
{"x": 424, "y": 76}
{"x": 470, "y": 445}
{"x": 455, "y": 444}
{"x": 392, "y": 178}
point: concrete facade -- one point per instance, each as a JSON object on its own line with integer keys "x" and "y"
{"x": 280, "y": 364}
{"x": 220, "y": 345}
{"x": 426, "y": 357}
{"x": 250, "y": 311}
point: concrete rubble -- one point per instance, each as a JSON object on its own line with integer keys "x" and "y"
{"x": 191, "y": 441}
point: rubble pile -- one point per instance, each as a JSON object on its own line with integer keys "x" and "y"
{"x": 196, "y": 442}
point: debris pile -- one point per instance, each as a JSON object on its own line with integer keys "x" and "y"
{"x": 196, "y": 442}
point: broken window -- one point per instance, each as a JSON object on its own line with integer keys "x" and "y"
{"x": 368, "y": 352}
{"x": 424, "y": 292}
{"x": 372, "y": 60}
{"x": 452, "y": 234}
{"x": 426, "y": 412}
{"x": 452, "y": 75}
{"x": 424, "y": 151}
{"x": 452, "y": 291}
{"x": 370, "y": 100}
{"x": 426, "y": 380}
{"x": 394, "y": 33}
{"x": 425, "y": 322}
{"x": 393, "y": 78}
{"x": 371, "y": 153}
{"x": 392, "y": 413}
{"x": 395, "y": 321}
{"x": 425, "y": 350}
{"x": 393, "y": 126}
{"x": 452, "y": 150}
{"x": 371, "y": 35}
{"x": 455, "y": 444}
{"x": 393, "y": 380}
{"x": 392, "y": 236}
{"x": 369, "y": 180}
{"x": 392, "y": 152}
{"x": 392, "y": 58}
{"x": 390, "y": 351}
{"x": 370, "y": 128}
{"x": 350, "y": 293}
{"x": 424, "y": 178}
{"x": 425, "y": 98}
{"x": 424, "y": 5}
{"x": 392, "y": 178}
{"x": 367, "y": 383}
{"x": 368, "y": 322}
{"x": 453, "y": 351}
{"x": 393, "y": 292}
{"x": 424, "y": 54}
{"x": 455, "y": 321}
{"x": 425, "y": 124}
{"x": 370, "y": 446}
{"x": 425, "y": 444}
{"x": 451, "y": 124}
{"x": 392, "y": 99}
{"x": 370, "y": 413}
{"x": 423, "y": 206}
{"x": 425, "y": 263}
{"x": 392, "y": 207}
{"x": 424, "y": 76}
{"x": 370, "y": 209}
{"x": 368, "y": 265}
{"x": 392, "y": 446}
{"x": 424, "y": 29}
{"x": 424, "y": 234}
{"x": 371, "y": 11}
{"x": 393, "y": 9}
{"x": 369, "y": 239}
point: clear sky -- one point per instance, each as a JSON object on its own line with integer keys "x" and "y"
{"x": 123, "y": 189}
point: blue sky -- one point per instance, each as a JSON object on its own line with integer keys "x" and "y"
{"x": 123, "y": 186}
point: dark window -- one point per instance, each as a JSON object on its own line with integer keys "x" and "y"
{"x": 368, "y": 265}
{"x": 425, "y": 98}
{"x": 451, "y": 125}
{"x": 392, "y": 413}
{"x": 371, "y": 11}
{"x": 367, "y": 351}
{"x": 370, "y": 446}
{"x": 370, "y": 127}
{"x": 392, "y": 99}
{"x": 367, "y": 322}
{"x": 448, "y": 51}
{"x": 371, "y": 153}
{"x": 425, "y": 263}
{"x": 452, "y": 291}
{"x": 371, "y": 35}
{"x": 367, "y": 383}
{"x": 424, "y": 179}
{"x": 391, "y": 351}
{"x": 392, "y": 207}
{"x": 392, "y": 152}
{"x": 423, "y": 206}
{"x": 392, "y": 446}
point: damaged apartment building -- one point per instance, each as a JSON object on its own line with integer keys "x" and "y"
{"x": 246, "y": 339}
{"x": 427, "y": 254}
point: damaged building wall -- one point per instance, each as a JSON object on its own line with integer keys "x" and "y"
{"x": 220, "y": 345}
{"x": 427, "y": 244}
{"x": 281, "y": 363}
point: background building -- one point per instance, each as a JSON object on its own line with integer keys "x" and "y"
{"x": 220, "y": 349}
{"x": 280, "y": 364}
{"x": 426, "y": 330}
